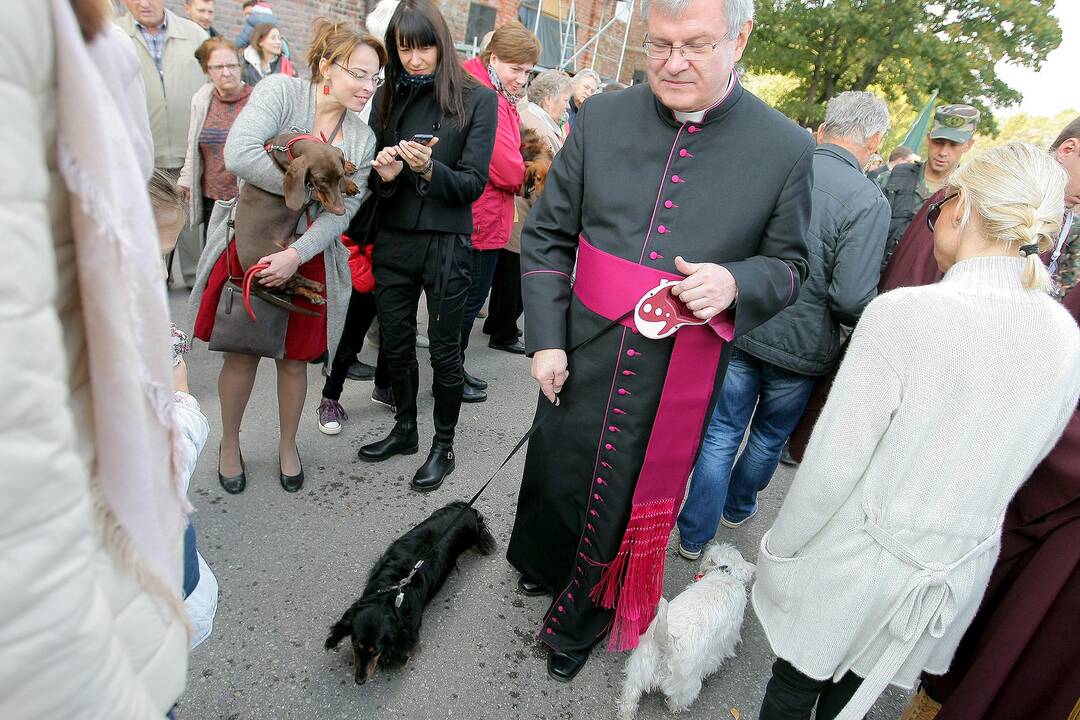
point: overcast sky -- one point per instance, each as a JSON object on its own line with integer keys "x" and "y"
{"x": 1056, "y": 86}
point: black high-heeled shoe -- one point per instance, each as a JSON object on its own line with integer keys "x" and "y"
{"x": 292, "y": 483}
{"x": 233, "y": 485}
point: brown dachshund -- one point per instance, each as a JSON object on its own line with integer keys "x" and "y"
{"x": 537, "y": 156}
{"x": 266, "y": 223}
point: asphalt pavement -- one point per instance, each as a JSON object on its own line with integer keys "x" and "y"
{"x": 289, "y": 565}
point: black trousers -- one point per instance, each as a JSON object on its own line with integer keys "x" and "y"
{"x": 439, "y": 264}
{"x": 505, "y": 306}
{"x": 790, "y": 695}
{"x": 357, "y": 322}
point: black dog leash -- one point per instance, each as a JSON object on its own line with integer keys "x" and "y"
{"x": 400, "y": 585}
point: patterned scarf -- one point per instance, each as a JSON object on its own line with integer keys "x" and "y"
{"x": 499, "y": 86}
{"x": 408, "y": 80}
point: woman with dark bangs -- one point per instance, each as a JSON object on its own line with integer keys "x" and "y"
{"x": 436, "y": 127}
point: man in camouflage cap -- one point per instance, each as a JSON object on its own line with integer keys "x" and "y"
{"x": 909, "y": 185}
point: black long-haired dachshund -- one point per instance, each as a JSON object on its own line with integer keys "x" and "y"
{"x": 385, "y": 631}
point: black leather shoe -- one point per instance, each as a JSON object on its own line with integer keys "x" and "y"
{"x": 402, "y": 440}
{"x": 439, "y": 464}
{"x": 564, "y": 666}
{"x": 233, "y": 485}
{"x": 531, "y": 587}
{"x": 472, "y": 395}
{"x": 360, "y": 371}
{"x": 292, "y": 483}
{"x": 515, "y": 348}
{"x": 474, "y": 382}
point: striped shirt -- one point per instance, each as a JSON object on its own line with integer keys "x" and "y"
{"x": 217, "y": 182}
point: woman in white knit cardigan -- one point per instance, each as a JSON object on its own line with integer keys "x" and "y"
{"x": 949, "y": 396}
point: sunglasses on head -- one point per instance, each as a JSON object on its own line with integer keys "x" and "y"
{"x": 935, "y": 210}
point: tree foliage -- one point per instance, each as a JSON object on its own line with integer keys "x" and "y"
{"x": 905, "y": 48}
{"x": 1039, "y": 130}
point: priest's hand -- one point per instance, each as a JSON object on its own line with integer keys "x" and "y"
{"x": 549, "y": 371}
{"x": 708, "y": 290}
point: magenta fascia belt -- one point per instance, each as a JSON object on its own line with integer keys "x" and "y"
{"x": 632, "y": 582}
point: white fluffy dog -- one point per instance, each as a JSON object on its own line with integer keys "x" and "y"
{"x": 691, "y": 636}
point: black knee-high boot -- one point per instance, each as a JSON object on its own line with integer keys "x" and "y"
{"x": 403, "y": 439}
{"x": 440, "y": 461}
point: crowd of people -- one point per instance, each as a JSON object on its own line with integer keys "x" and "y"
{"x": 902, "y": 330}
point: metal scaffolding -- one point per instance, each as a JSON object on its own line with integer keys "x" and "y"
{"x": 576, "y": 36}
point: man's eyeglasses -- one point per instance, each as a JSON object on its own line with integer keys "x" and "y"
{"x": 935, "y": 210}
{"x": 231, "y": 67}
{"x": 691, "y": 52}
{"x": 375, "y": 80}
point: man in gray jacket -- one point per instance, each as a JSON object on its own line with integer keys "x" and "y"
{"x": 775, "y": 365}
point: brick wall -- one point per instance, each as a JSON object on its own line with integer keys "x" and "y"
{"x": 296, "y": 17}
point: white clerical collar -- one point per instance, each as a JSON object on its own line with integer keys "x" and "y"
{"x": 685, "y": 117}
{"x": 699, "y": 115}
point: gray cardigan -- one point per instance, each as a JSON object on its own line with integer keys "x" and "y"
{"x": 283, "y": 104}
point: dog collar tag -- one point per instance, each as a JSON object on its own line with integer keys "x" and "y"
{"x": 659, "y": 314}
{"x": 399, "y": 599}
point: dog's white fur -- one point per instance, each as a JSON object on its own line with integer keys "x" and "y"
{"x": 691, "y": 636}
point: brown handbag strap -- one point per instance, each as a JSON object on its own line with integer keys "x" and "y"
{"x": 337, "y": 128}
{"x": 230, "y": 240}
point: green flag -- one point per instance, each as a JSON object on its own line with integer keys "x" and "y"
{"x": 917, "y": 134}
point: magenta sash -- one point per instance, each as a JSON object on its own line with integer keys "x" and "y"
{"x": 632, "y": 583}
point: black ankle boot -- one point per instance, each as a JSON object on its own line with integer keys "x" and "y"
{"x": 472, "y": 381}
{"x": 402, "y": 440}
{"x": 439, "y": 464}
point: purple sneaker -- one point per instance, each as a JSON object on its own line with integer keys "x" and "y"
{"x": 331, "y": 416}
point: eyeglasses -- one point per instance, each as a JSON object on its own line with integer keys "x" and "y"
{"x": 935, "y": 210}
{"x": 691, "y": 52}
{"x": 231, "y": 67}
{"x": 375, "y": 80}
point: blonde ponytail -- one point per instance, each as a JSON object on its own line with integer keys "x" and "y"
{"x": 1018, "y": 191}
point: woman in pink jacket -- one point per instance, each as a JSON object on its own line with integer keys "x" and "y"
{"x": 504, "y": 67}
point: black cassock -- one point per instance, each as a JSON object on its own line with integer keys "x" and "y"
{"x": 641, "y": 185}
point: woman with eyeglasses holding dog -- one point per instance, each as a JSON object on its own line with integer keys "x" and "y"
{"x": 435, "y": 126}
{"x": 344, "y": 66}
{"x": 949, "y": 396}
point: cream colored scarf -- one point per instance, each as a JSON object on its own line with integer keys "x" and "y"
{"x": 102, "y": 157}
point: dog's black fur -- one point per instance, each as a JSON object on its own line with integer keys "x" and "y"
{"x": 384, "y": 635}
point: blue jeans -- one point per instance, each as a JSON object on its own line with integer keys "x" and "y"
{"x": 483, "y": 272}
{"x": 191, "y": 561}
{"x": 780, "y": 397}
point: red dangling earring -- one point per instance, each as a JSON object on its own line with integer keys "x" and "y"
{"x": 325, "y": 89}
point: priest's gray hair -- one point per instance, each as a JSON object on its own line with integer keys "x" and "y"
{"x": 856, "y": 116}
{"x": 736, "y": 12}
{"x": 548, "y": 84}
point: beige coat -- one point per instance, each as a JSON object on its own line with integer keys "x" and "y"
{"x": 90, "y": 629}
{"x": 533, "y": 117}
{"x": 191, "y": 173}
{"x": 168, "y": 100}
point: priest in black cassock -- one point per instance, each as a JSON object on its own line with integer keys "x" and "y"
{"x": 684, "y": 204}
